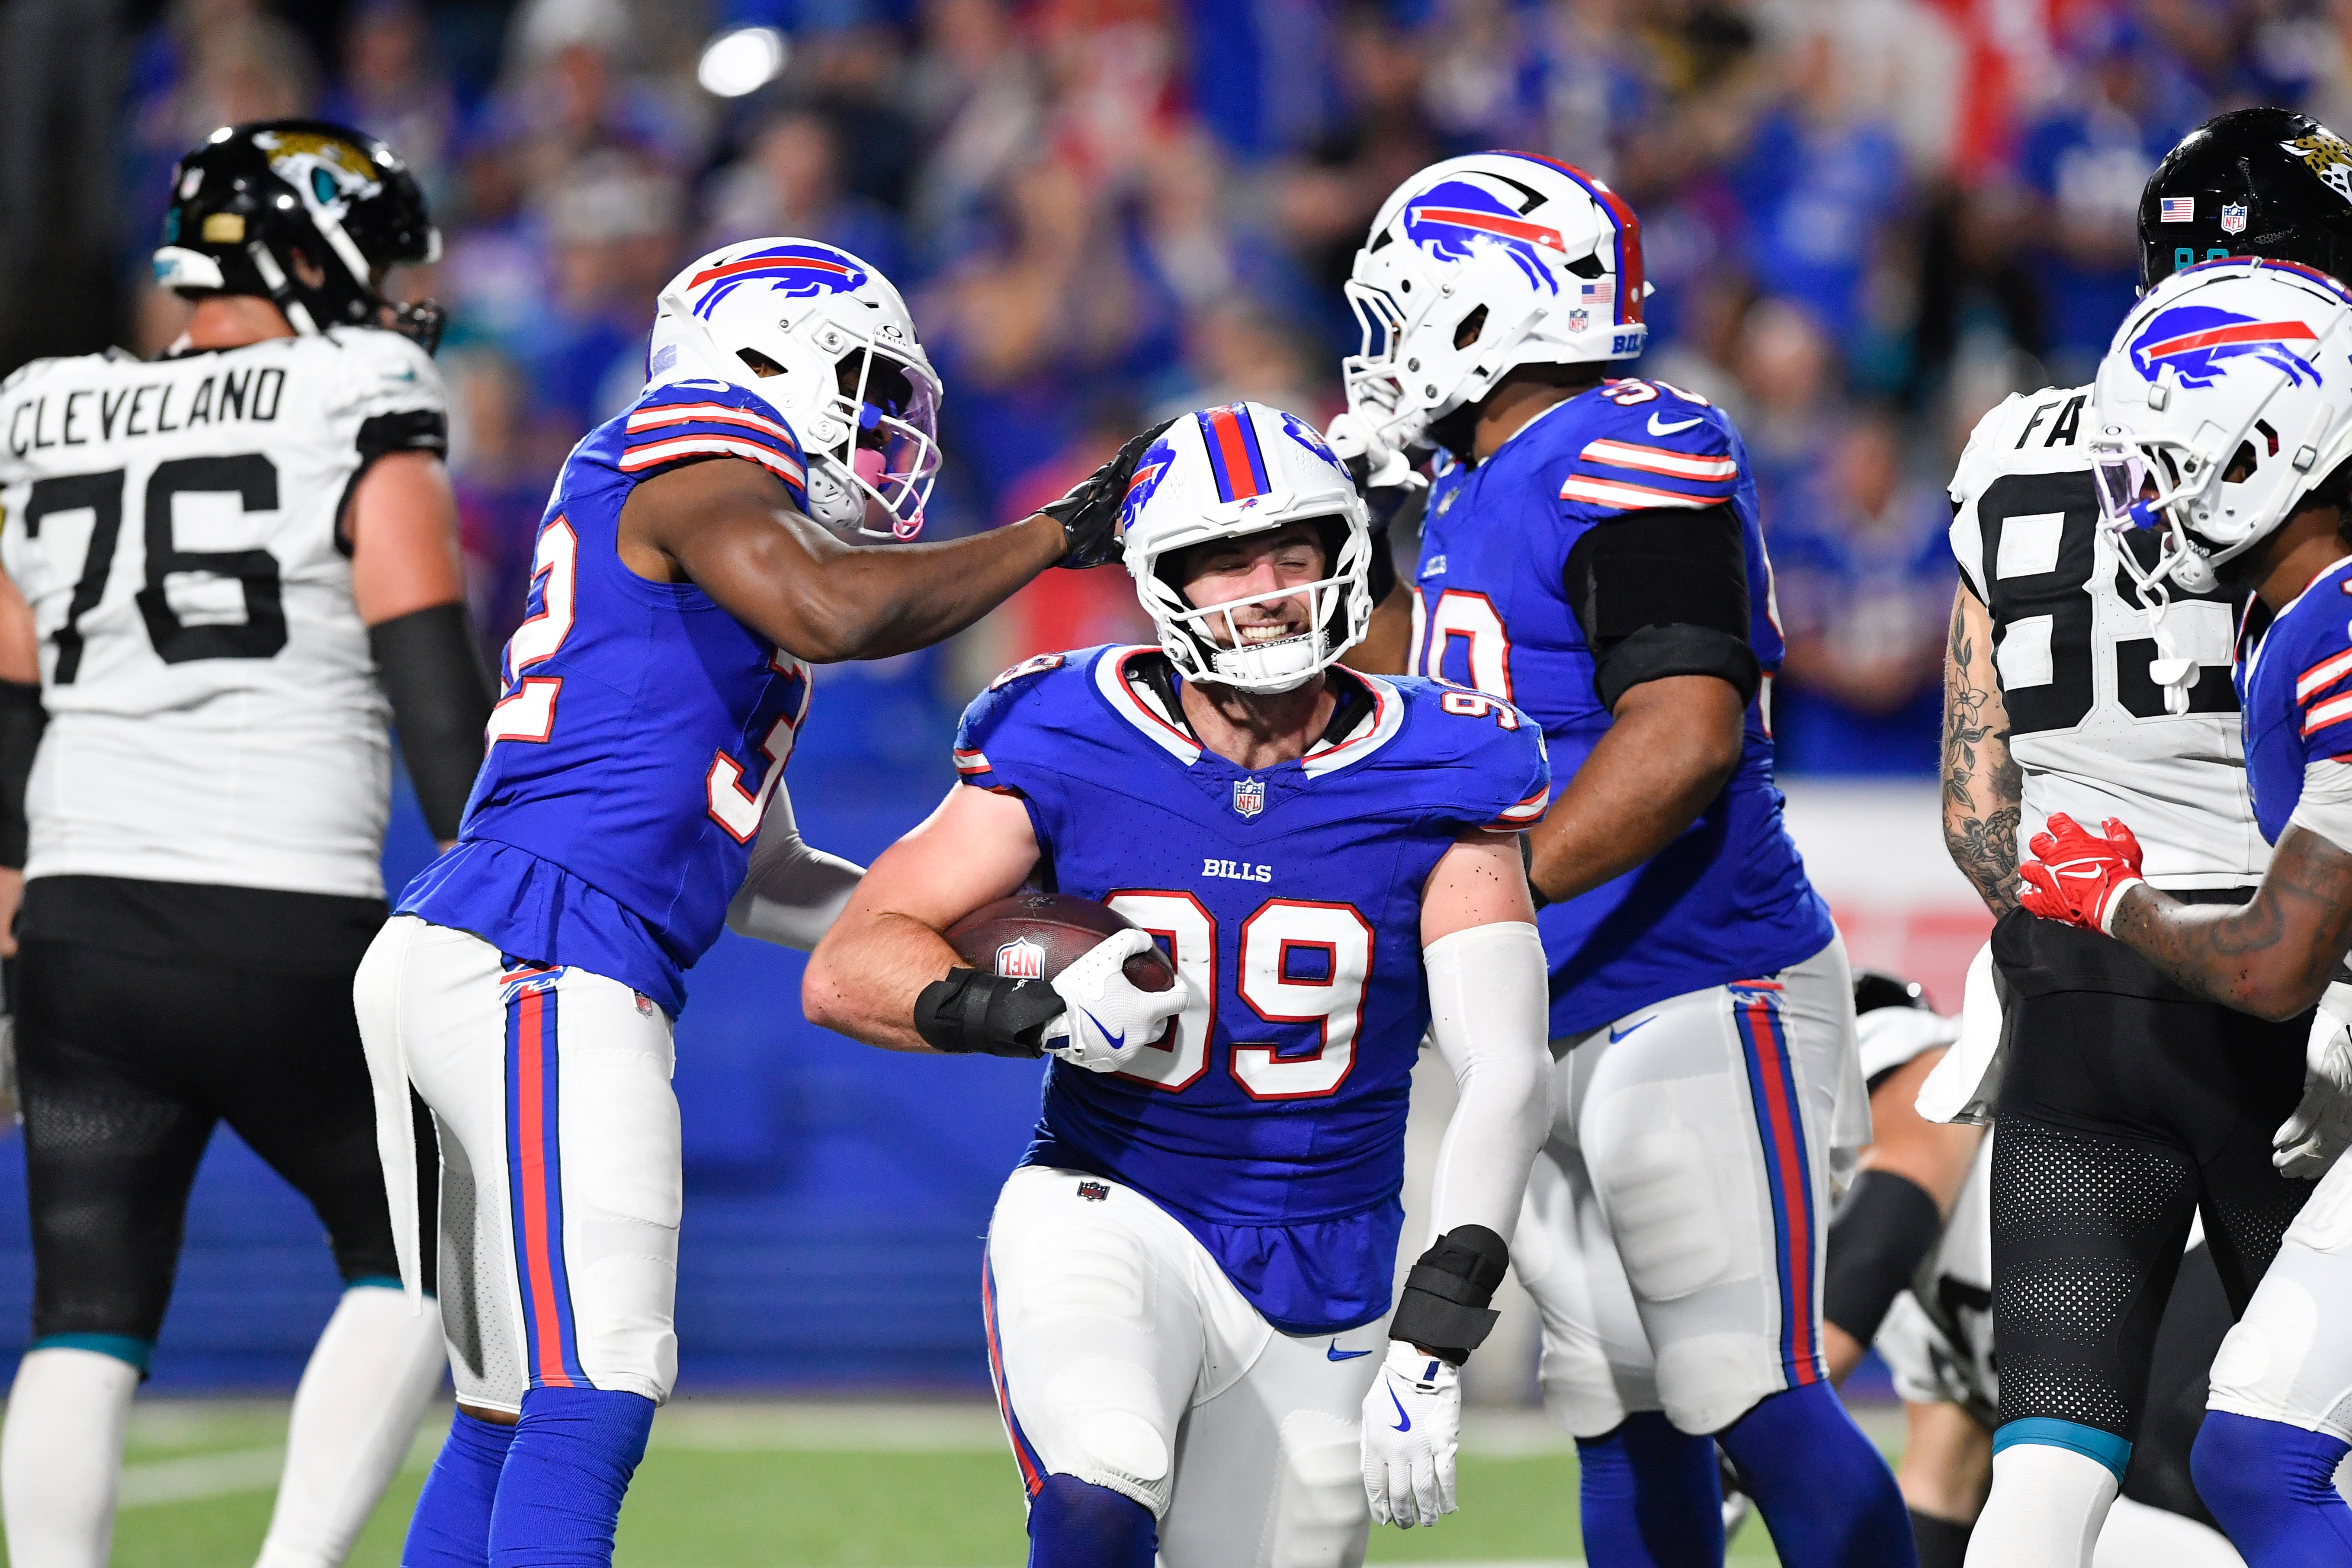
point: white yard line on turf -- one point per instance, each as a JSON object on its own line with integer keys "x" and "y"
{"x": 202, "y": 1475}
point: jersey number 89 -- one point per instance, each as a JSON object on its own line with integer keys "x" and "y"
{"x": 1327, "y": 991}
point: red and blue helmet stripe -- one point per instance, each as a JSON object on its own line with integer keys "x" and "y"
{"x": 1235, "y": 459}
{"x": 1628, "y": 256}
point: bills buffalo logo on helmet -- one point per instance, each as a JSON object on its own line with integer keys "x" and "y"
{"x": 1307, "y": 435}
{"x": 1454, "y": 219}
{"x": 1021, "y": 959}
{"x": 2199, "y": 341}
{"x": 802, "y": 270}
{"x": 1150, "y": 469}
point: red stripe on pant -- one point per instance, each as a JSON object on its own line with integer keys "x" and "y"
{"x": 1787, "y": 1148}
{"x": 531, "y": 1106}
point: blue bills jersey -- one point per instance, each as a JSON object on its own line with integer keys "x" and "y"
{"x": 1269, "y": 1120}
{"x": 1727, "y": 899}
{"x": 642, "y": 731}
{"x": 2294, "y": 688}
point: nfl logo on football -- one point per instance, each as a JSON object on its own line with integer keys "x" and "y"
{"x": 2233, "y": 217}
{"x": 1021, "y": 960}
{"x": 1249, "y": 796}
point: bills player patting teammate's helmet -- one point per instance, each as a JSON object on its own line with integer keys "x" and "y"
{"x": 1479, "y": 265}
{"x": 825, "y": 339}
{"x": 1224, "y": 474}
{"x": 2224, "y": 402}
{"x": 304, "y": 213}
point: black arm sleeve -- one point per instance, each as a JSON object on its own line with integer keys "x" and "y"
{"x": 22, "y": 719}
{"x": 1664, "y": 593}
{"x": 1885, "y": 1227}
{"x": 441, "y": 698}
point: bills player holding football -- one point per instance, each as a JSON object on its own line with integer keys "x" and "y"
{"x": 1186, "y": 1278}
{"x": 236, "y": 563}
{"x": 684, "y": 581}
{"x": 2070, "y": 688}
{"x": 1590, "y": 551}
{"x": 2184, "y": 451}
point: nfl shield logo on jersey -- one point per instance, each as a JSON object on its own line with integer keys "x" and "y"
{"x": 1021, "y": 960}
{"x": 1249, "y": 796}
{"x": 2233, "y": 217}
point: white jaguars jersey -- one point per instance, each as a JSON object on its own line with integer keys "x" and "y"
{"x": 175, "y": 525}
{"x": 2071, "y": 645}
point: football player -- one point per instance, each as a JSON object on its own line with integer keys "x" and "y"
{"x": 236, "y": 563}
{"x": 685, "y": 577}
{"x": 1590, "y": 551}
{"x": 1921, "y": 1295}
{"x": 1186, "y": 1278}
{"x": 2068, "y": 690}
{"x": 2213, "y": 361}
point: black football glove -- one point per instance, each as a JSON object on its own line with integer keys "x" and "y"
{"x": 1089, "y": 513}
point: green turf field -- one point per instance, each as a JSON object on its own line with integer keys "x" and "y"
{"x": 773, "y": 1485}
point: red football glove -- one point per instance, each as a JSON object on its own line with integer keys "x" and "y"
{"x": 2077, "y": 876}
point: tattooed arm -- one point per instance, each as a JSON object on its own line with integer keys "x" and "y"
{"x": 2272, "y": 956}
{"x": 1983, "y": 786}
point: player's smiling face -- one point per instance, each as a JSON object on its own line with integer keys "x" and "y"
{"x": 1232, "y": 570}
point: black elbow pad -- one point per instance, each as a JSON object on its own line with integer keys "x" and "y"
{"x": 22, "y": 719}
{"x": 441, "y": 697}
{"x": 1662, "y": 593}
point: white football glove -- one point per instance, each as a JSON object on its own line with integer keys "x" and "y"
{"x": 2307, "y": 1143}
{"x": 1105, "y": 1019}
{"x": 1412, "y": 1424}
{"x": 1383, "y": 474}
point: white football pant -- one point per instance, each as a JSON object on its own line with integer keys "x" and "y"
{"x": 561, "y": 1177}
{"x": 2289, "y": 1359}
{"x": 1124, "y": 1357}
{"x": 1673, "y": 1231}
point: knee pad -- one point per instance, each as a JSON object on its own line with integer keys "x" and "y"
{"x": 1076, "y": 1524}
{"x": 1580, "y": 1387}
{"x": 2255, "y": 1370}
{"x": 1319, "y": 1511}
{"x": 1706, "y": 1382}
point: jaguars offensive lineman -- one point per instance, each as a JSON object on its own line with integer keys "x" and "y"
{"x": 233, "y": 556}
{"x": 1590, "y": 551}
{"x": 2213, "y": 359}
{"x": 1186, "y": 1277}
{"x": 685, "y": 577}
{"x": 2064, "y": 694}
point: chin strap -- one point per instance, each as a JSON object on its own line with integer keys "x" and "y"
{"x": 2171, "y": 668}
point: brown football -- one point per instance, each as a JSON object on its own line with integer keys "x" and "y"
{"x": 1035, "y": 936}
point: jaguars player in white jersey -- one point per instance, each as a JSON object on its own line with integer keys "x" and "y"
{"x": 2127, "y": 1103}
{"x": 227, "y": 569}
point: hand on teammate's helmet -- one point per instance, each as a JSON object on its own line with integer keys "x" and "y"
{"x": 1107, "y": 1018}
{"x": 2077, "y": 876}
{"x": 1384, "y": 476}
{"x": 2307, "y": 1143}
{"x": 1412, "y": 1424}
{"x": 1089, "y": 513}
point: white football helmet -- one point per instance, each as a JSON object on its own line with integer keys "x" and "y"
{"x": 848, "y": 374}
{"x": 2224, "y": 400}
{"x": 1480, "y": 264}
{"x": 1226, "y": 473}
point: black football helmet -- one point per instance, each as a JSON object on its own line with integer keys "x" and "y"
{"x": 267, "y": 209}
{"x": 2253, "y": 181}
{"x": 1874, "y": 989}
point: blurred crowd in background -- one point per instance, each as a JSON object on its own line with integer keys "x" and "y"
{"x": 1868, "y": 221}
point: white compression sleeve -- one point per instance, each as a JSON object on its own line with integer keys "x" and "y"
{"x": 61, "y": 1457}
{"x": 793, "y": 893}
{"x": 1488, "y": 1008}
{"x": 366, "y": 1386}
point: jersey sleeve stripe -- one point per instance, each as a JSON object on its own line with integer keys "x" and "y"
{"x": 970, "y": 762}
{"x": 1625, "y": 496}
{"x": 709, "y": 414}
{"x": 2334, "y": 710}
{"x": 1660, "y": 460}
{"x": 652, "y": 454}
{"x": 1529, "y": 810}
{"x": 2325, "y": 673}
